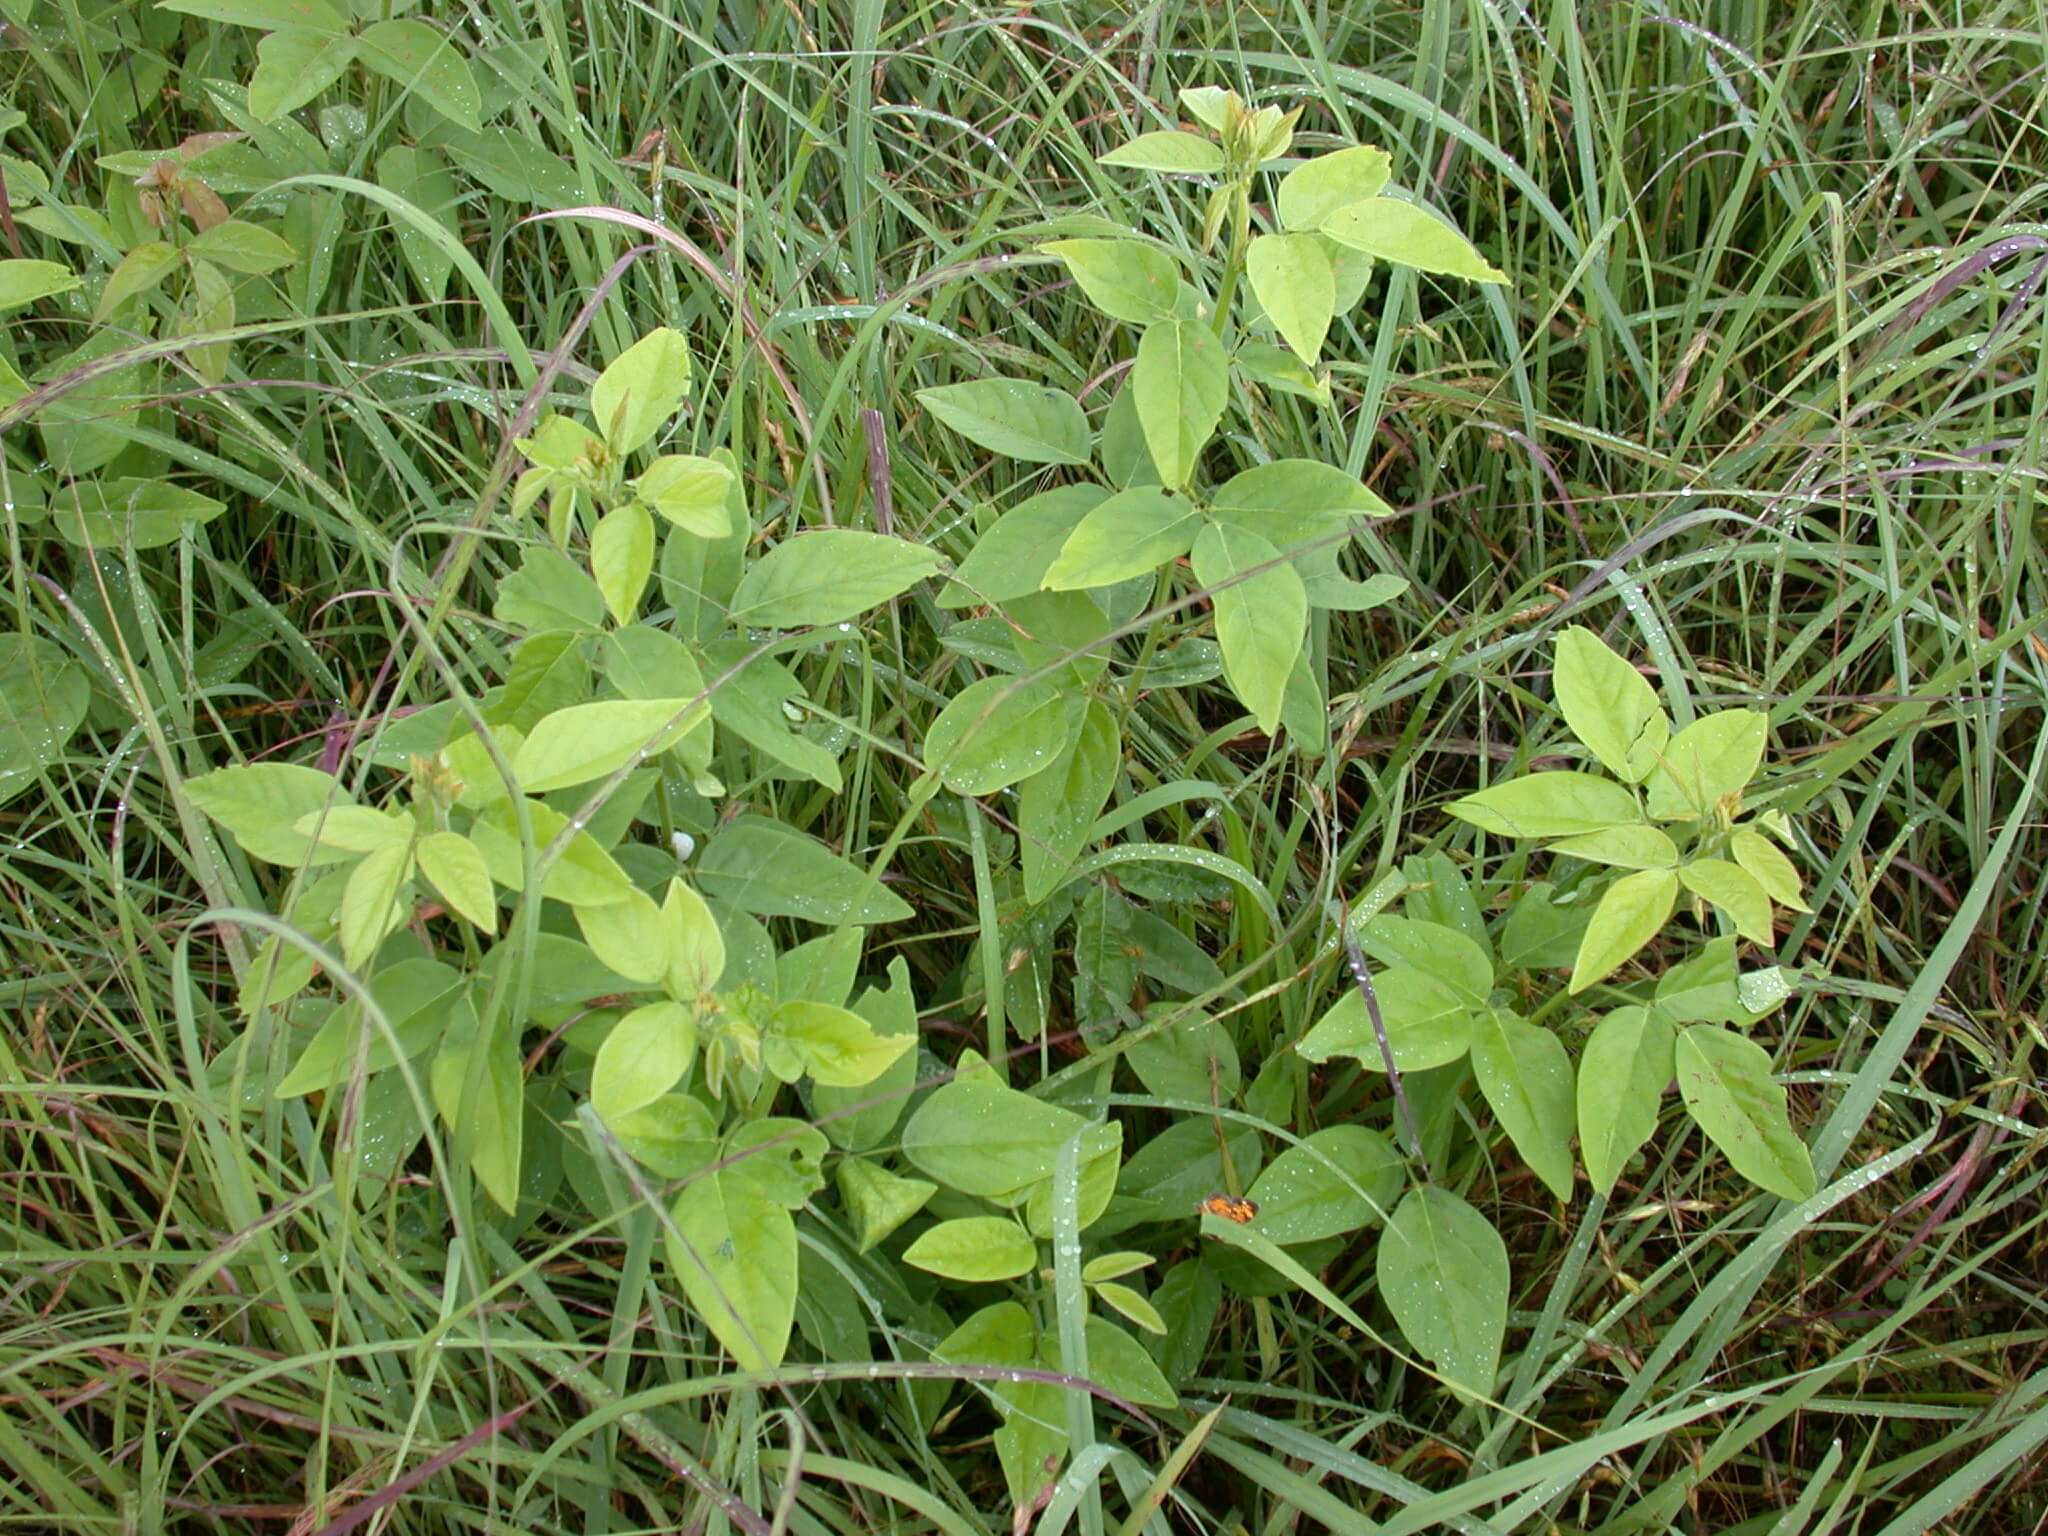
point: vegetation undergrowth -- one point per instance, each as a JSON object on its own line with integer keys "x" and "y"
{"x": 943, "y": 770}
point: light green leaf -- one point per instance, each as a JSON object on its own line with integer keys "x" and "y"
{"x": 23, "y": 282}
{"x": 1403, "y": 233}
{"x": 422, "y": 178}
{"x": 243, "y": 247}
{"x": 315, "y": 15}
{"x": 1457, "y": 959}
{"x": 1294, "y": 501}
{"x": 879, "y": 1201}
{"x": 589, "y": 741}
{"x": 141, "y": 271}
{"x": 584, "y": 876}
{"x": 1131, "y": 1305}
{"x": 1010, "y": 559}
{"x": 734, "y": 1251}
{"x": 1125, "y": 279}
{"x": 1527, "y": 1078}
{"x": 456, "y": 870}
{"x": 1708, "y": 763}
{"x": 1114, "y": 1266}
{"x": 1332, "y": 1181}
{"x": 1769, "y": 867}
{"x": 860, "y": 1118}
{"x": 630, "y": 935}
{"x": 1277, "y": 368}
{"x": 622, "y": 558}
{"x": 1636, "y": 847}
{"x": 373, "y": 904}
{"x": 1261, "y": 618}
{"x": 1131, "y": 534}
{"x": 1292, "y": 280}
{"x": 1736, "y": 892}
{"x": 44, "y": 697}
{"x": 752, "y": 702}
{"x": 1704, "y": 988}
{"x": 837, "y": 1047}
{"x": 1428, "y": 1024}
{"x": 261, "y": 803}
{"x": 827, "y": 576}
{"x": 1541, "y": 934}
{"x": 208, "y": 309}
{"x": 1183, "y": 154}
{"x": 692, "y": 941}
{"x": 1208, "y": 105}
{"x": 1317, "y": 188}
{"x": 999, "y": 731}
{"x": 974, "y": 1250}
{"x": 691, "y": 492}
{"x": 428, "y": 64}
{"x": 415, "y": 997}
{"x": 1623, "y": 1071}
{"x": 1609, "y": 705}
{"x": 1628, "y": 917}
{"x": 355, "y": 828}
{"x": 674, "y": 1136}
{"x": 759, "y": 865}
{"x": 142, "y": 513}
{"x": 1179, "y": 385}
{"x": 548, "y": 592}
{"x": 640, "y": 389}
{"x": 984, "y": 1138}
{"x": 1013, "y": 417}
{"x": 1118, "y": 1362}
{"x": 644, "y": 1056}
{"x": 1443, "y": 1271}
{"x": 492, "y": 1119}
{"x": 1728, "y": 1088}
{"x": 294, "y": 66}
{"x": 1560, "y": 804}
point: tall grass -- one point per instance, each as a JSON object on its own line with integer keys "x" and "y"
{"x": 1764, "y": 398}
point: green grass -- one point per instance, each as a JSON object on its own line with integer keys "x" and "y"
{"x": 1762, "y": 402}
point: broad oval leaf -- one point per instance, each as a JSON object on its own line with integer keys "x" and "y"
{"x": 1125, "y": 279}
{"x": 765, "y": 867}
{"x": 374, "y": 903}
{"x": 1626, "y": 1065}
{"x": 1317, "y": 188}
{"x": 262, "y": 804}
{"x": 1710, "y": 762}
{"x": 294, "y": 66}
{"x": 1444, "y": 953}
{"x": 1403, "y": 233}
{"x": 1443, "y": 1271}
{"x": 1526, "y": 1076}
{"x": 999, "y": 731}
{"x": 1179, "y": 385}
{"x": 1183, "y": 154}
{"x": 622, "y": 558}
{"x": 1728, "y": 1088}
{"x": 982, "y": 1137}
{"x": 106, "y": 514}
{"x": 641, "y": 388}
{"x": 734, "y": 1251}
{"x": 1292, "y": 280}
{"x": 1427, "y": 1023}
{"x": 457, "y": 872}
{"x": 1769, "y": 867}
{"x": 428, "y": 64}
{"x": 1609, "y": 705}
{"x": 1735, "y": 891}
{"x": 1294, "y": 501}
{"x": 1633, "y": 847}
{"x": 644, "y": 1056}
{"x": 243, "y": 247}
{"x": 837, "y": 1047}
{"x": 44, "y": 696}
{"x": 317, "y": 15}
{"x": 1010, "y": 559}
{"x": 1013, "y": 417}
{"x": 1130, "y": 534}
{"x": 1333, "y": 1181}
{"x": 1628, "y": 917}
{"x": 878, "y": 1201}
{"x": 1557, "y": 804}
{"x": 589, "y": 741}
{"x": 827, "y": 576}
{"x": 25, "y": 281}
{"x": 974, "y": 1250}
{"x": 1057, "y": 809}
{"x": 690, "y": 491}
{"x": 1261, "y": 615}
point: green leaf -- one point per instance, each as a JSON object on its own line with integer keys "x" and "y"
{"x": 261, "y": 803}
{"x": 1636, "y": 847}
{"x": 421, "y": 177}
{"x": 1194, "y": 1061}
{"x": 356, "y": 828}
{"x": 1184, "y": 154}
{"x": 208, "y": 309}
{"x": 640, "y": 389}
{"x": 44, "y": 696}
{"x": 1317, "y": 188}
{"x": 415, "y": 997}
{"x": 548, "y": 592}
{"x": 1333, "y": 1181}
{"x": 1132, "y": 1305}
{"x": 734, "y": 1251}
{"x": 1560, "y": 804}
{"x": 373, "y": 903}
{"x": 1541, "y": 934}
{"x": 1708, "y": 763}
{"x": 1428, "y": 1024}
{"x": 1769, "y": 867}
{"x": 1294, "y": 501}
{"x": 294, "y": 66}
{"x": 1735, "y": 892}
{"x": 1118, "y": 1362}
{"x": 1609, "y": 705}
{"x": 428, "y": 64}
{"x": 674, "y": 1136}
{"x": 622, "y": 558}
{"x": 1179, "y": 384}
{"x": 589, "y": 741}
{"x": 691, "y": 492}
{"x": 973, "y": 1250}
{"x": 1010, "y": 559}
{"x": 879, "y": 1201}
{"x": 492, "y": 1119}
{"x": 1293, "y": 283}
{"x": 1131, "y": 534}
{"x": 827, "y": 576}
{"x": 144, "y": 514}
{"x": 1527, "y": 1078}
{"x": 837, "y": 1047}
{"x": 750, "y": 702}
{"x": 1623, "y": 1070}
{"x": 998, "y": 732}
{"x": 1013, "y": 417}
{"x": 1443, "y": 1271}
{"x": 1702, "y": 988}
{"x": 1261, "y": 617}
{"x": 984, "y": 1138}
{"x": 141, "y": 271}
{"x": 644, "y": 1056}
{"x": 1057, "y": 809}
{"x": 315, "y": 15}
{"x": 1445, "y": 954}
{"x": 692, "y": 941}
{"x": 584, "y": 876}
{"x": 24, "y": 282}
{"x": 1403, "y": 233}
{"x": 1102, "y": 1156}
{"x": 456, "y": 870}
{"x": 630, "y": 935}
{"x": 243, "y": 247}
{"x": 762, "y": 866}
{"x": 1125, "y": 279}
{"x": 1728, "y": 1088}
{"x": 1628, "y": 917}
{"x": 1277, "y": 368}
{"x": 1114, "y": 1266}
